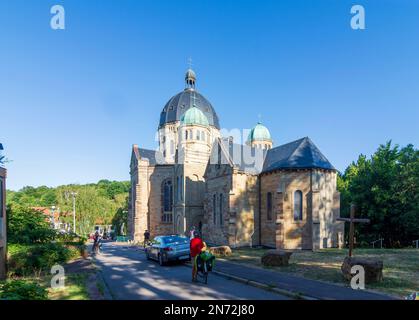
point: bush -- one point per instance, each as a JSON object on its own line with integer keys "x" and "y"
{"x": 27, "y": 259}
{"x": 26, "y": 226}
{"x": 22, "y": 290}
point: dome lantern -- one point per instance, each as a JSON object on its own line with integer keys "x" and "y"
{"x": 190, "y": 79}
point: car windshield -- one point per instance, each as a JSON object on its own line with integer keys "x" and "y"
{"x": 175, "y": 240}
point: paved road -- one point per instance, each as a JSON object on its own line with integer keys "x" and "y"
{"x": 129, "y": 276}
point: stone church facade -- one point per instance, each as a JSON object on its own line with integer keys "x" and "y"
{"x": 237, "y": 195}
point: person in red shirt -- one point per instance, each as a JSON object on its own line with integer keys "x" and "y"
{"x": 196, "y": 246}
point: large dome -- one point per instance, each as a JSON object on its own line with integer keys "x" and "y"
{"x": 176, "y": 107}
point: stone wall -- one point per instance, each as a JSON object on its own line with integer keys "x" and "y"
{"x": 326, "y": 209}
{"x": 156, "y": 176}
{"x": 240, "y": 206}
{"x": 145, "y": 199}
{"x": 244, "y": 210}
{"x": 216, "y": 226}
{"x": 282, "y": 230}
{"x": 321, "y": 206}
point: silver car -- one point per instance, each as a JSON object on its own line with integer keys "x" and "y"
{"x": 169, "y": 248}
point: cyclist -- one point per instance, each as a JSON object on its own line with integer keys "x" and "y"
{"x": 196, "y": 246}
{"x": 96, "y": 242}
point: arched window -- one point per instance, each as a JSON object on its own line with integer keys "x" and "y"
{"x": 198, "y": 134}
{"x": 298, "y": 205}
{"x": 167, "y": 198}
{"x": 214, "y": 208}
{"x": 269, "y": 206}
{"x": 221, "y": 209}
{"x": 186, "y": 134}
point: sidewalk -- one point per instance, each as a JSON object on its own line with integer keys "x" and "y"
{"x": 296, "y": 285}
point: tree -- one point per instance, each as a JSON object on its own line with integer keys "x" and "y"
{"x": 385, "y": 189}
{"x": 27, "y": 226}
{"x": 95, "y": 203}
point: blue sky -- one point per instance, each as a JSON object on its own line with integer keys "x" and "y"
{"x": 73, "y": 101}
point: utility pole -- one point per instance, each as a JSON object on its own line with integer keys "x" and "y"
{"x": 73, "y": 195}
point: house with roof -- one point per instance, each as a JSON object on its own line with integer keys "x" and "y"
{"x": 235, "y": 194}
{"x": 3, "y": 235}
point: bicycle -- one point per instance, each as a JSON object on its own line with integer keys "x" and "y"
{"x": 96, "y": 248}
{"x": 204, "y": 267}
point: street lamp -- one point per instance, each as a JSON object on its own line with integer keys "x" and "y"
{"x": 52, "y": 217}
{"x": 73, "y": 195}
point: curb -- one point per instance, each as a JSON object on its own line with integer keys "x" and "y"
{"x": 107, "y": 293}
{"x": 284, "y": 292}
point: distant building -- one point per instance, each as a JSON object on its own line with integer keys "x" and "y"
{"x": 235, "y": 194}
{"x": 53, "y": 215}
{"x": 3, "y": 230}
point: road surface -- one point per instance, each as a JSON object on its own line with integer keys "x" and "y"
{"x": 129, "y": 276}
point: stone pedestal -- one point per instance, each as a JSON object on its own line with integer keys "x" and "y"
{"x": 373, "y": 268}
{"x": 220, "y": 251}
{"x": 276, "y": 258}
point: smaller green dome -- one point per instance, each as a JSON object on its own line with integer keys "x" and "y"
{"x": 259, "y": 133}
{"x": 194, "y": 116}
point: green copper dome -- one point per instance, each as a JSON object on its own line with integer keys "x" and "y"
{"x": 259, "y": 133}
{"x": 194, "y": 116}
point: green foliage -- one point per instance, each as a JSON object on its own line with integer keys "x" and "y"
{"x": 26, "y": 260}
{"x": 111, "y": 189}
{"x": 385, "y": 189}
{"x": 120, "y": 221}
{"x": 34, "y": 197}
{"x": 22, "y": 290}
{"x": 26, "y": 225}
{"x": 95, "y": 203}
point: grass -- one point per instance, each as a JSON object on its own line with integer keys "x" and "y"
{"x": 75, "y": 288}
{"x": 400, "y": 273}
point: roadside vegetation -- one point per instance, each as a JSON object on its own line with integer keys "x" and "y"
{"x": 400, "y": 272}
{"x": 33, "y": 248}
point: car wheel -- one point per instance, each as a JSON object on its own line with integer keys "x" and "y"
{"x": 161, "y": 262}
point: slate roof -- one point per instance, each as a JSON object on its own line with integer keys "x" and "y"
{"x": 154, "y": 157}
{"x": 180, "y": 103}
{"x": 299, "y": 154}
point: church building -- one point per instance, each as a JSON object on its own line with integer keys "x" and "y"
{"x": 252, "y": 194}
